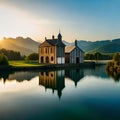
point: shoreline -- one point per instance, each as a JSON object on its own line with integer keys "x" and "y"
{"x": 47, "y": 66}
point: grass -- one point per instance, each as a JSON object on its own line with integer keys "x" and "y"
{"x": 20, "y": 63}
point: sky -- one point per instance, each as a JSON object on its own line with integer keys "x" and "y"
{"x": 76, "y": 19}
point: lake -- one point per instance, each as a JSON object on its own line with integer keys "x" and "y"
{"x": 71, "y": 94}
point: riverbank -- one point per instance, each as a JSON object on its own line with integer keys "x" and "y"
{"x": 47, "y": 66}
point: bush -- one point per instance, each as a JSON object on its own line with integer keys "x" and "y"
{"x": 3, "y": 60}
{"x": 113, "y": 67}
{"x": 116, "y": 57}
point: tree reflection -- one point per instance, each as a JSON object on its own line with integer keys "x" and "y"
{"x": 18, "y": 76}
{"x": 114, "y": 74}
{"x": 5, "y": 75}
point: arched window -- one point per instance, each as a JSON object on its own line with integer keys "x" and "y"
{"x": 51, "y": 75}
{"x": 51, "y": 58}
{"x": 47, "y": 59}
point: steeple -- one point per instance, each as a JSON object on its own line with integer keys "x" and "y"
{"x": 59, "y": 36}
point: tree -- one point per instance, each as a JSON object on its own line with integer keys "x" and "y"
{"x": 3, "y": 59}
{"x": 97, "y": 56}
{"x": 11, "y": 55}
{"x": 33, "y": 56}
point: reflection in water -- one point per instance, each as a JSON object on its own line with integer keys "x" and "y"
{"x": 115, "y": 75}
{"x": 98, "y": 71}
{"x": 96, "y": 98}
{"x": 18, "y": 76}
{"x": 54, "y": 80}
{"x": 5, "y": 75}
{"x": 75, "y": 75}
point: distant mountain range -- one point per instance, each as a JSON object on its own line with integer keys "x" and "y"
{"x": 26, "y": 45}
{"x": 104, "y": 46}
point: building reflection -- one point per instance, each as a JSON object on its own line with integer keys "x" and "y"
{"x": 75, "y": 74}
{"x": 54, "y": 80}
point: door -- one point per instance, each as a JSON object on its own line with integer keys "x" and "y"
{"x": 77, "y": 60}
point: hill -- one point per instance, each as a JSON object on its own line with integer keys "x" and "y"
{"x": 24, "y": 45}
{"x": 109, "y": 48}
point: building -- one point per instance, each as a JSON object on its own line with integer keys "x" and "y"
{"x": 52, "y": 51}
{"x": 73, "y": 54}
{"x": 54, "y": 80}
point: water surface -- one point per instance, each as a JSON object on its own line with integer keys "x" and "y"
{"x": 71, "y": 94}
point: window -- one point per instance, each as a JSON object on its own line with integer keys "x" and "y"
{"x": 51, "y": 58}
{"x": 41, "y": 50}
{"x": 46, "y": 50}
{"x": 51, "y": 75}
{"x": 51, "y": 49}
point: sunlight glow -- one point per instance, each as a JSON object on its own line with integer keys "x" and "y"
{"x": 14, "y": 23}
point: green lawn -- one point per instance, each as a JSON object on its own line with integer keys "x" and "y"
{"x": 24, "y": 63}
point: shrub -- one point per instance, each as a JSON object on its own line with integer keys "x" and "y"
{"x": 3, "y": 60}
{"x": 116, "y": 57}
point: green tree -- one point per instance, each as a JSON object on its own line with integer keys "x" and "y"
{"x": 33, "y": 56}
{"x": 3, "y": 59}
{"x": 97, "y": 56}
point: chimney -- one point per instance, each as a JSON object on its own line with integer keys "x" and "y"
{"x": 45, "y": 38}
{"x": 76, "y": 43}
{"x": 53, "y": 37}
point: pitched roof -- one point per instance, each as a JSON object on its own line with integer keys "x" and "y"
{"x": 55, "y": 42}
{"x": 68, "y": 49}
{"x": 52, "y": 41}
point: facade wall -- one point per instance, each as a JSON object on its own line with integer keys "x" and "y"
{"x": 67, "y": 57}
{"x": 60, "y": 60}
{"x": 60, "y": 53}
{"x": 73, "y": 56}
{"x": 47, "y": 54}
{"x": 76, "y": 56}
{"x": 51, "y": 54}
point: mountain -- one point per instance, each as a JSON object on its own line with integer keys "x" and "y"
{"x": 24, "y": 45}
{"x": 103, "y": 46}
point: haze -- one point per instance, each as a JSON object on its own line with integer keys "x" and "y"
{"x": 77, "y": 19}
